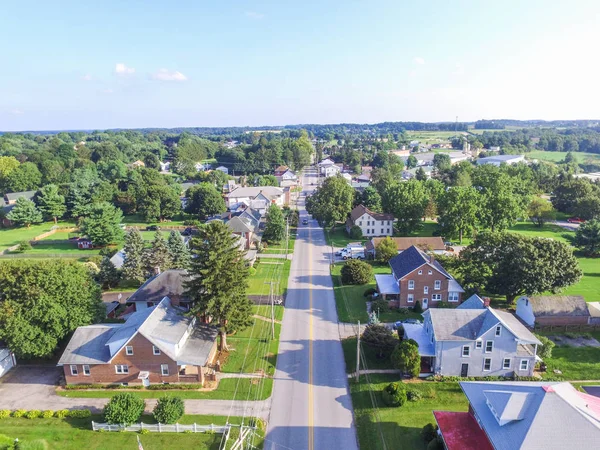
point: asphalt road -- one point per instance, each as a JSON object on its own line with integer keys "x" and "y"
{"x": 311, "y": 406}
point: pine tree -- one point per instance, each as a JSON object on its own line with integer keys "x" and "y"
{"x": 24, "y": 213}
{"x": 133, "y": 266}
{"x": 108, "y": 276}
{"x": 159, "y": 258}
{"x": 219, "y": 280}
{"x": 51, "y": 203}
{"x": 180, "y": 255}
{"x": 275, "y": 226}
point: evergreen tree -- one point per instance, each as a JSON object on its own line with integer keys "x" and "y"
{"x": 103, "y": 224}
{"x": 51, "y": 203}
{"x": 275, "y": 226}
{"x": 108, "y": 276}
{"x": 133, "y": 266}
{"x": 159, "y": 258}
{"x": 219, "y": 280}
{"x": 24, "y": 213}
{"x": 180, "y": 255}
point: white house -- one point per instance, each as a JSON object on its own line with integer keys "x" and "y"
{"x": 7, "y": 360}
{"x": 501, "y": 159}
{"x": 257, "y": 197}
{"x": 328, "y": 168}
{"x": 285, "y": 176}
{"x": 223, "y": 169}
{"x": 370, "y": 222}
{"x": 165, "y": 166}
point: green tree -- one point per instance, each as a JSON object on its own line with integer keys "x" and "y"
{"x": 159, "y": 258}
{"x": 411, "y": 162}
{"x": 24, "y": 213}
{"x": 219, "y": 280}
{"x": 51, "y": 203}
{"x": 385, "y": 250}
{"x": 331, "y": 202}
{"x": 275, "y": 225}
{"x": 458, "y": 209}
{"x": 42, "y": 302}
{"x": 511, "y": 264}
{"x": 180, "y": 255}
{"x": 168, "y": 409}
{"x": 406, "y": 358}
{"x": 587, "y": 237}
{"x": 109, "y": 276}
{"x": 356, "y": 233}
{"x": 441, "y": 162}
{"x": 356, "y": 272}
{"x": 8, "y": 164}
{"x": 24, "y": 178}
{"x": 540, "y": 211}
{"x": 380, "y": 338}
{"x": 124, "y": 408}
{"x": 544, "y": 351}
{"x": 420, "y": 174}
{"x": 161, "y": 202}
{"x": 407, "y": 202}
{"x": 371, "y": 199}
{"x": 133, "y": 265}
{"x": 103, "y": 224}
{"x": 204, "y": 201}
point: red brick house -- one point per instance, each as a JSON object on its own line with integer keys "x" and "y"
{"x": 416, "y": 275}
{"x": 155, "y": 345}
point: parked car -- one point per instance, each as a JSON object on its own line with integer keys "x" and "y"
{"x": 305, "y": 222}
{"x": 413, "y": 321}
{"x": 449, "y": 243}
{"x": 575, "y": 220}
{"x": 152, "y": 228}
{"x": 187, "y": 232}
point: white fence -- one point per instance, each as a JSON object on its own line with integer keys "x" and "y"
{"x": 163, "y": 428}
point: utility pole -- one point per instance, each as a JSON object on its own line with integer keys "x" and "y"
{"x": 271, "y": 297}
{"x": 358, "y": 352}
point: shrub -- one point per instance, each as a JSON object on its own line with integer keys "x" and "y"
{"x": 251, "y": 271}
{"x": 417, "y": 308}
{"x": 124, "y": 408}
{"x": 380, "y": 338}
{"x": 168, "y": 409}
{"x": 413, "y": 395}
{"x": 356, "y": 232}
{"x": 4, "y": 413}
{"x": 38, "y": 444}
{"x": 19, "y": 413}
{"x": 446, "y": 305}
{"x": 394, "y": 394}
{"x": 33, "y": 414}
{"x": 6, "y": 443}
{"x": 403, "y": 311}
{"x": 356, "y": 272}
{"x": 369, "y": 292}
{"x": 258, "y": 423}
{"x": 400, "y": 331}
{"x": 80, "y": 413}
{"x": 380, "y": 305}
{"x": 182, "y": 387}
{"x": 61, "y": 413}
{"x": 429, "y": 432}
{"x": 144, "y": 431}
{"x": 406, "y": 358}
{"x": 47, "y": 414}
{"x": 545, "y": 350}
{"x": 23, "y": 247}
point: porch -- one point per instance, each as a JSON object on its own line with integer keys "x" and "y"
{"x": 417, "y": 332}
{"x": 387, "y": 286}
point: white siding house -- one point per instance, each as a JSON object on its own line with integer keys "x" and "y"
{"x": 370, "y": 222}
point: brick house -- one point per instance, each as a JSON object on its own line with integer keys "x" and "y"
{"x": 155, "y": 345}
{"x": 370, "y": 222}
{"x": 418, "y": 276}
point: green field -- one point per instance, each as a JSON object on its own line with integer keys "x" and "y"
{"x": 253, "y": 349}
{"x": 370, "y": 355}
{"x": 581, "y": 157}
{"x": 589, "y": 286}
{"x": 13, "y": 236}
{"x": 270, "y": 270}
{"x": 76, "y": 434}
{"x": 548, "y": 231}
{"x": 432, "y": 137}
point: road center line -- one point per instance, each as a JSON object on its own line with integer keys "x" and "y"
{"x": 311, "y": 431}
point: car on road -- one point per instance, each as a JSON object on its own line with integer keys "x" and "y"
{"x": 575, "y": 220}
{"x": 187, "y": 232}
{"x": 449, "y": 243}
{"x": 305, "y": 222}
{"x": 152, "y": 228}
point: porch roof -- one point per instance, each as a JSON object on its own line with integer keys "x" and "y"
{"x": 416, "y": 331}
{"x": 387, "y": 284}
{"x": 460, "y": 431}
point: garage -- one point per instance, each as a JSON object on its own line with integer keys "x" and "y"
{"x": 7, "y": 361}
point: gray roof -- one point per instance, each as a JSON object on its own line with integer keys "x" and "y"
{"x": 88, "y": 345}
{"x": 110, "y": 307}
{"x": 15, "y": 195}
{"x": 461, "y": 324}
{"x": 270, "y": 192}
{"x": 498, "y": 159}
{"x": 169, "y": 283}
{"x": 473, "y": 302}
{"x": 559, "y": 305}
{"x": 240, "y": 225}
{"x": 532, "y": 415}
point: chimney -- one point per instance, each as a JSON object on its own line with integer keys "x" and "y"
{"x": 431, "y": 258}
{"x": 486, "y": 302}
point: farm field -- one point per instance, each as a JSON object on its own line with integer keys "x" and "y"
{"x": 581, "y": 157}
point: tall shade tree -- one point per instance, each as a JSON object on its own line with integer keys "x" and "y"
{"x": 25, "y": 177}
{"x": 103, "y": 224}
{"x": 159, "y": 258}
{"x": 42, "y": 302}
{"x": 7, "y": 165}
{"x": 275, "y": 226}
{"x": 441, "y": 162}
{"x": 219, "y": 280}
{"x": 179, "y": 253}
{"x": 133, "y": 265}
{"x": 385, "y": 250}
{"x": 24, "y": 213}
{"x": 510, "y": 264}
{"x": 540, "y": 211}
{"x": 371, "y": 199}
{"x": 587, "y": 237}
{"x": 51, "y": 203}
{"x": 407, "y": 202}
{"x": 203, "y": 200}
{"x": 458, "y": 209}
{"x": 331, "y": 202}
{"x": 411, "y": 162}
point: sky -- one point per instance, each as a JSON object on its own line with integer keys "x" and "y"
{"x": 134, "y": 64}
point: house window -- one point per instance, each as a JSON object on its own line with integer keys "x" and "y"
{"x": 429, "y": 272}
{"x": 382, "y": 231}
{"x": 74, "y": 370}
{"x": 410, "y": 298}
{"x": 86, "y": 370}
{"x": 466, "y": 351}
{"x": 437, "y": 285}
{"x": 478, "y": 344}
{"x": 426, "y": 290}
{"x": 155, "y": 350}
{"x": 498, "y": 330}
{"x": 121, "y": 368}
{"x": 436, "y": 297}
{"x": 452, "y": 296}
{"x": 360, "y": 223}
{"x": 129, "y": 350}
{"x": 487, "y": 364}
{"x": 389, "y": 222}
{"x": 506, "y": 363}
{"x": 524, "y": 364}
{"x": 420, "y": 272}
{"x": 164, "y": 370}
{"x": 388, "y": 230}
{"x": 373, "y": 231}
{"x": 489, "y": 346}
{"x": 411, "y": 284}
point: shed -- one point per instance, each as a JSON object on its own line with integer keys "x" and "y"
{"x": 547, "y": 310}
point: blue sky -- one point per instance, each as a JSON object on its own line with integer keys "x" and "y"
{"x": 127, "y": 64}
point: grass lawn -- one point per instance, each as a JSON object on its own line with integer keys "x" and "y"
{"x": 373, "y": 360}
{"x": 265, "y": 311}
{"x": 135, "y": 220}
{"x": 549, "y": 230}
{"x": 281, "y": 247}
{"x": 12, "y": 236}
{"x": 338, "y": 237}
{"x": 76, "y": 434}
{"x": 580, "y": 157}
{"x": 253, "y": 349}
{"x": 267, "y": 270}
{"x": 589, "y": 286}
{"x": 226, "y": 391}
{"x": 400, "y": 427}
{"x": 575, "y": 363}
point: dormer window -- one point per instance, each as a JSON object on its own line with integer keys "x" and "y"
{"x": 420, "y": 272}
{"x": 498, "y": 330}
{"x": 129, "y": 350}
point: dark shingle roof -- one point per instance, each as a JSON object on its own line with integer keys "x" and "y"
{"x": 169, "y": 283}
{"x": 411, "y": 259}
{"x": 16, "y": 195}
{"x": 559, "y": 305}
{"x": 362, "y": 209}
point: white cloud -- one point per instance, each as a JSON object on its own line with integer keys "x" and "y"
{"x": 122, "y": 70}
{"x": 168, "y": 75}
{"x": 412, "y": 73}
{"x": 107, "y": 91}
{"x": 17, "y": 112}
{"x": 254, "y": 15}
{"x": 87, "y": 77}
{"x": 419, "y": 60}
{"x": 459, "y": 69}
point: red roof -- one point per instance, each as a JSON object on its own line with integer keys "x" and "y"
{"x": 461, "y": 431}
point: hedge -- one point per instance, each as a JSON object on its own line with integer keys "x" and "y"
{"x": 152, "y": 387}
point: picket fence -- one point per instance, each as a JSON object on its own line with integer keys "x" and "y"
{"x": 163, "y": 428}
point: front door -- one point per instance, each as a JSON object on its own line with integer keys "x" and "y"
{"x": 464, "y": 370}
{"x": 424, "y": 303}
{"x": 146, "y": 382}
